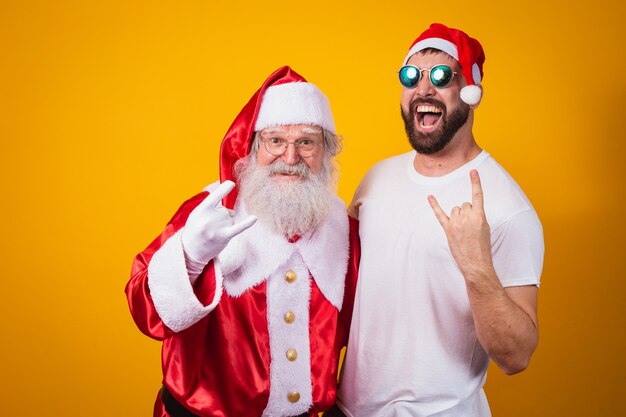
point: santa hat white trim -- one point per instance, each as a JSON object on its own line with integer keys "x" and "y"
{"x": 476, "y": 74}
{"x": 294, "y": 103}
{"x": 437, "y": 43}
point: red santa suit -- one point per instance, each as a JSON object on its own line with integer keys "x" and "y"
{"x": 229, "y": 341}
{"x": 260, "y": 331}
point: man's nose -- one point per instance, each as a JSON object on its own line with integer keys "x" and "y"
{"x": 291, "y": 155}
{"x": 424, "y": 87}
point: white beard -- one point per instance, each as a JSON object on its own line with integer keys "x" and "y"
{"x": 291, "y": 207}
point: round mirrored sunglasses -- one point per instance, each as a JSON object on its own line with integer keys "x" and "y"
{"x": 440, "y": 76}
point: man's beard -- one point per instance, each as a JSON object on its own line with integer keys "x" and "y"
{"x": 289, "y": 207}
{"x": 429, "y": 143}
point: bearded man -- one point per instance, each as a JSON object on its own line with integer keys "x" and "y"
{"x": 449, "y": 273}
{"x": 250, "y": 288}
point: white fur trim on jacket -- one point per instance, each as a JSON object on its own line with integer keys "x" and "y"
{"x": 289, "y": 375}
{"x": 255, "y": 254}
{"x": 171, "y": 289}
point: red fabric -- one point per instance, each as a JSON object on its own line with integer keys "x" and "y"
{"x": 329, "y": 333}
{"x": 219, "y": 367}
{"x": 236, "y": 143}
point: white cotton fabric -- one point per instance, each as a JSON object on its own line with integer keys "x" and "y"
{"x": 413, "y": 349}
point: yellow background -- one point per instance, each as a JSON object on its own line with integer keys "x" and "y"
{"x": 111, "y": 114}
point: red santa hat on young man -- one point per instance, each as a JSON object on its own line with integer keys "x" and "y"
{"x": 285, "y": 98}
{"x": 467, "y": 51}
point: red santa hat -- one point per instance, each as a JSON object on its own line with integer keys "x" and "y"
{"x": 285, "y": 98}
{"x": 467, "y": 51}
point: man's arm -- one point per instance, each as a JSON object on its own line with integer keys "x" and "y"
{"x": 505, "y": 318}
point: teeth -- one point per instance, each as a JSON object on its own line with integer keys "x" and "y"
{"x": 428, "y": 109}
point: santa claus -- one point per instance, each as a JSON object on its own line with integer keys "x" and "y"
{"x": 250, "y": 287}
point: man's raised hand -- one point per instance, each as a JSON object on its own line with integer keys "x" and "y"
{"x": 467, "y": 230}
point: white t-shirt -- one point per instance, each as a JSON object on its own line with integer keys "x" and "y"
{"x": 413, "y": 349}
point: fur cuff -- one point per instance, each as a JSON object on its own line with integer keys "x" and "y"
{"x": 171, "y": 290}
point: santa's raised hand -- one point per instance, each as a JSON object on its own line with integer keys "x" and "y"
{"x": 210, "y": 226}
{"x": 467, "y": 231}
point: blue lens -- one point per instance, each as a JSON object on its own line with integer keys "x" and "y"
{"x": 409, "y": 76}
{"x": 441, "y": 76}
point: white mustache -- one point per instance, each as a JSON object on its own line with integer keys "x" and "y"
{"x": 288, "y": 207}
{"x": 300, "y": 169}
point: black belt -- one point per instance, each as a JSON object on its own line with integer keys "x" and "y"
{"x": 173, "y": 407}
{"x": 176, "y": 409}
{"x": 334, "y": 412}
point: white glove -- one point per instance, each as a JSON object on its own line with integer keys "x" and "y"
{"x": 210, "y": 227}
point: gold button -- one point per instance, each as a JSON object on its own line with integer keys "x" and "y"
{"x": 290, "y": 276}
{"x": 289, "y": 317}
{"x": 293, "y": 396}
{"x": 292, "y": 355}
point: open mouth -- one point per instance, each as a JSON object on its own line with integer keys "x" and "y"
{"x": 428, "y": 116}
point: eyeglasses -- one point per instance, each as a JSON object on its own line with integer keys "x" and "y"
{"x": 276, "y": 146}
{"x": 440, "y": 75}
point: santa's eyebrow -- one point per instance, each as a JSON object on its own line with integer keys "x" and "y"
{"x": 271, "y": 130}
{"x": 309, "y": 130}
{"x": 312, "y": 130}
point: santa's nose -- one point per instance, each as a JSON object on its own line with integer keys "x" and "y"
{"x": 291, "y": 155}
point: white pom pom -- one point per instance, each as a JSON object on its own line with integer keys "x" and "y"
{"x": 471, "y": 94}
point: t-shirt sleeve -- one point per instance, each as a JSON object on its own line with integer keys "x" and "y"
{"x": 518, "y": 248}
